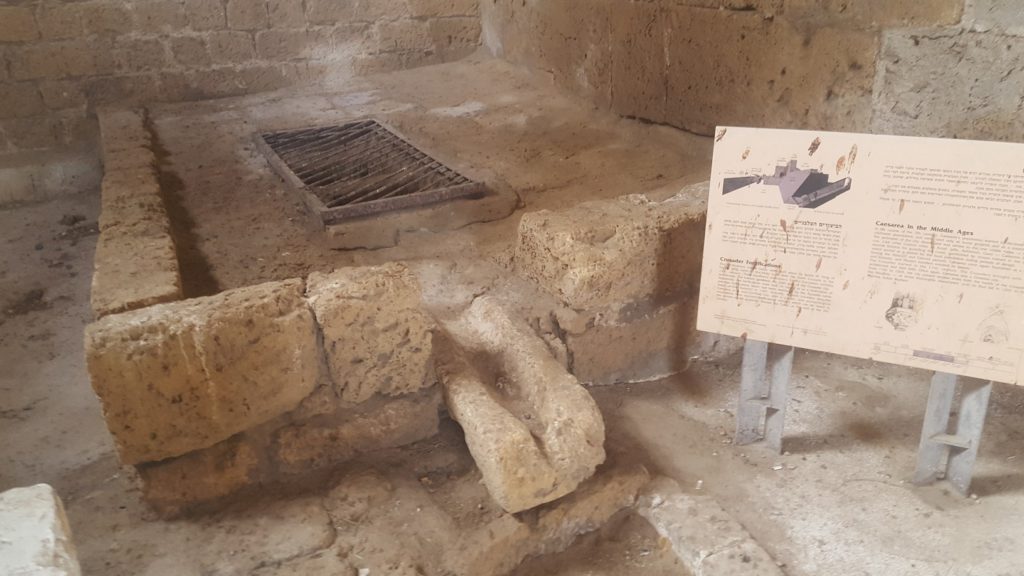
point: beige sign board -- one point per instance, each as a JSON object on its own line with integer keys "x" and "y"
{"x": 902, "y": 250}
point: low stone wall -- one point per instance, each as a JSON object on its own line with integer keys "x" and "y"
{"x": 628, "y": 272}
{"x": 136, "y": 264}
{"x": 210, "y": 395}
{"x": 61, "y": 59}
{"x": 948, "y": 68}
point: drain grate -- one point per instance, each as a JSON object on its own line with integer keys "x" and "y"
{"x": 360, "y": 169}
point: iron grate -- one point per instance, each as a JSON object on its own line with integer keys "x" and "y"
{"x": 362, "y": 168}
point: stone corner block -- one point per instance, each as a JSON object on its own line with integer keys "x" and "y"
{"x": 608, "y": 253}
{"x": 533, "y": 430}
{"x": 174, "y": 378}
{"x": 377, "y": 337}
{"x": 35, "y": 537}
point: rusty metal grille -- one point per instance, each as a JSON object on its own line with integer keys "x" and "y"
{"x": 362, "y": 168}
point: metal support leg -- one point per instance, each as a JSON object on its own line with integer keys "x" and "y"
{"x": 946, "y": 454}
{"x": 761, "y": 412}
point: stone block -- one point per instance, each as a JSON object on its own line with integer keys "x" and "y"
{"x": 280, "y": 45}
{"x": 20, "y": 100}
{"x": 33, "y": 133}
{"x": 60, "y": 21}
{"x": 501, "y": 545}
{"x": 704, "y": 536}
{"x": 350, "y": 431}
{"x": 35, "y": 537}
{"x": 533, "y": 431}
{"x": 189, "y": 51}
{"x": 61, "y": 95}
{"x": 247, "y": 14}
{"x": 610, "y": 253}
{"x": 160, "y": 16}
{"x": 17, "y": 24}
{"x": 286, "y": 14}
{"x": 443, "y": 8}
{"x": 204, "y": 476}
{"x": 1004, "y": 15}
{"x": 454, "y": 37}
{"x": 734, "y": 68}
{"x": 330, "y": 12}
{"x": 179, "y": 377}
{"x": 141, "y": 55}
{"x": 205, "y": 15}
{"x": 134, "y": 269}
{"x": 107, "y": 17}
{"x": 377, "y": 338}
{"x": 230, "y": 47}
{"x": 918, "y": 96}
{"x": 810, "y": 14}
{"x": 402, "y": 36}
{"x": 639, "y": 65}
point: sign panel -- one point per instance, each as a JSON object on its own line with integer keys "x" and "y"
{"x": 903, "y": 250}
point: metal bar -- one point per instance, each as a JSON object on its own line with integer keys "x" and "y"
{"x": 951, "y": 454}
{"x": 931, "y": 455}
{"x": 352, "y": 211}
{"x": 970, "y": 425}
{"x": 764, "y": 385}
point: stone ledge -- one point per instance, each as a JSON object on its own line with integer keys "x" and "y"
{"x": 136, "y": 264}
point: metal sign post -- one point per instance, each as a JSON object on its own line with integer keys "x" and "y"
{"x": 946, "y": 454}
{"x": 761, "y": 413}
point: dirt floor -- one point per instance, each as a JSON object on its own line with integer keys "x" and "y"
{"x": 837, "y": 503}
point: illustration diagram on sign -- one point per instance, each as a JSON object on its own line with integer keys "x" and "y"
{"x": 806, "y": 188}
{"x": 903, "y": 313}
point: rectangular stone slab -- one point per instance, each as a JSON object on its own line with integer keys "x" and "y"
{"x": 179, "y": 377}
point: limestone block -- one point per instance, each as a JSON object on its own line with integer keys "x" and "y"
{"x": 501, "y": 545}
{"x": 918, "y": 96}
{"x": 376, "y": 334}
{"x": 704, "y": 536}
{"x": 378, "y": 424}
{"x": 179, "y": 377}
{"x": 134, "y": 269}
{"x": 734, "y": 68}
{"x": 1005, "y": 15}
{"x": 874, "y": 13}
{"x": 203, "y": 476}
{"x": 608, "y": 253}
{"x": 533, "y": 431}
{"x": 35, "y": 538}
{"x": 639, "y": 65}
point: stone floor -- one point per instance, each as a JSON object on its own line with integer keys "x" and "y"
{"x": 837, "y": 503}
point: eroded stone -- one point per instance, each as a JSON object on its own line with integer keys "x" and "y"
{"x": 376, "y": 334}
{"x": 534, "y": 432}
{"x": 179, "y": 377}
{"x": 609, "y": 253}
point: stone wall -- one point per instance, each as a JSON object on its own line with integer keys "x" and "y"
{"x": 917, "y": 67}
{"x": 60, "y": 59}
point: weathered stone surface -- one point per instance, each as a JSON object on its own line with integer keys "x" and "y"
{"x": 731, "y": 68}
{"x": 534, "y": 432}
{"x": 376, "y": 334}
{"x": 502, "y": 544}
{"x": 704, "y": 536}
{"x": 919, "y": 96}
{"x": 134, "y": 270}
{"x": 1004, "y": 15}
{"x": 375, "y": 425}
{"x": 203, "y": 476}
{"x": 873, "y": 13}
{"x": 606, "y": 254}
{"x": 35, "y": 538}
{"x": 179, "y": 377}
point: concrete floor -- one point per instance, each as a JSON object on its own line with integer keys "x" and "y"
{"x": 839, "y": 504}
